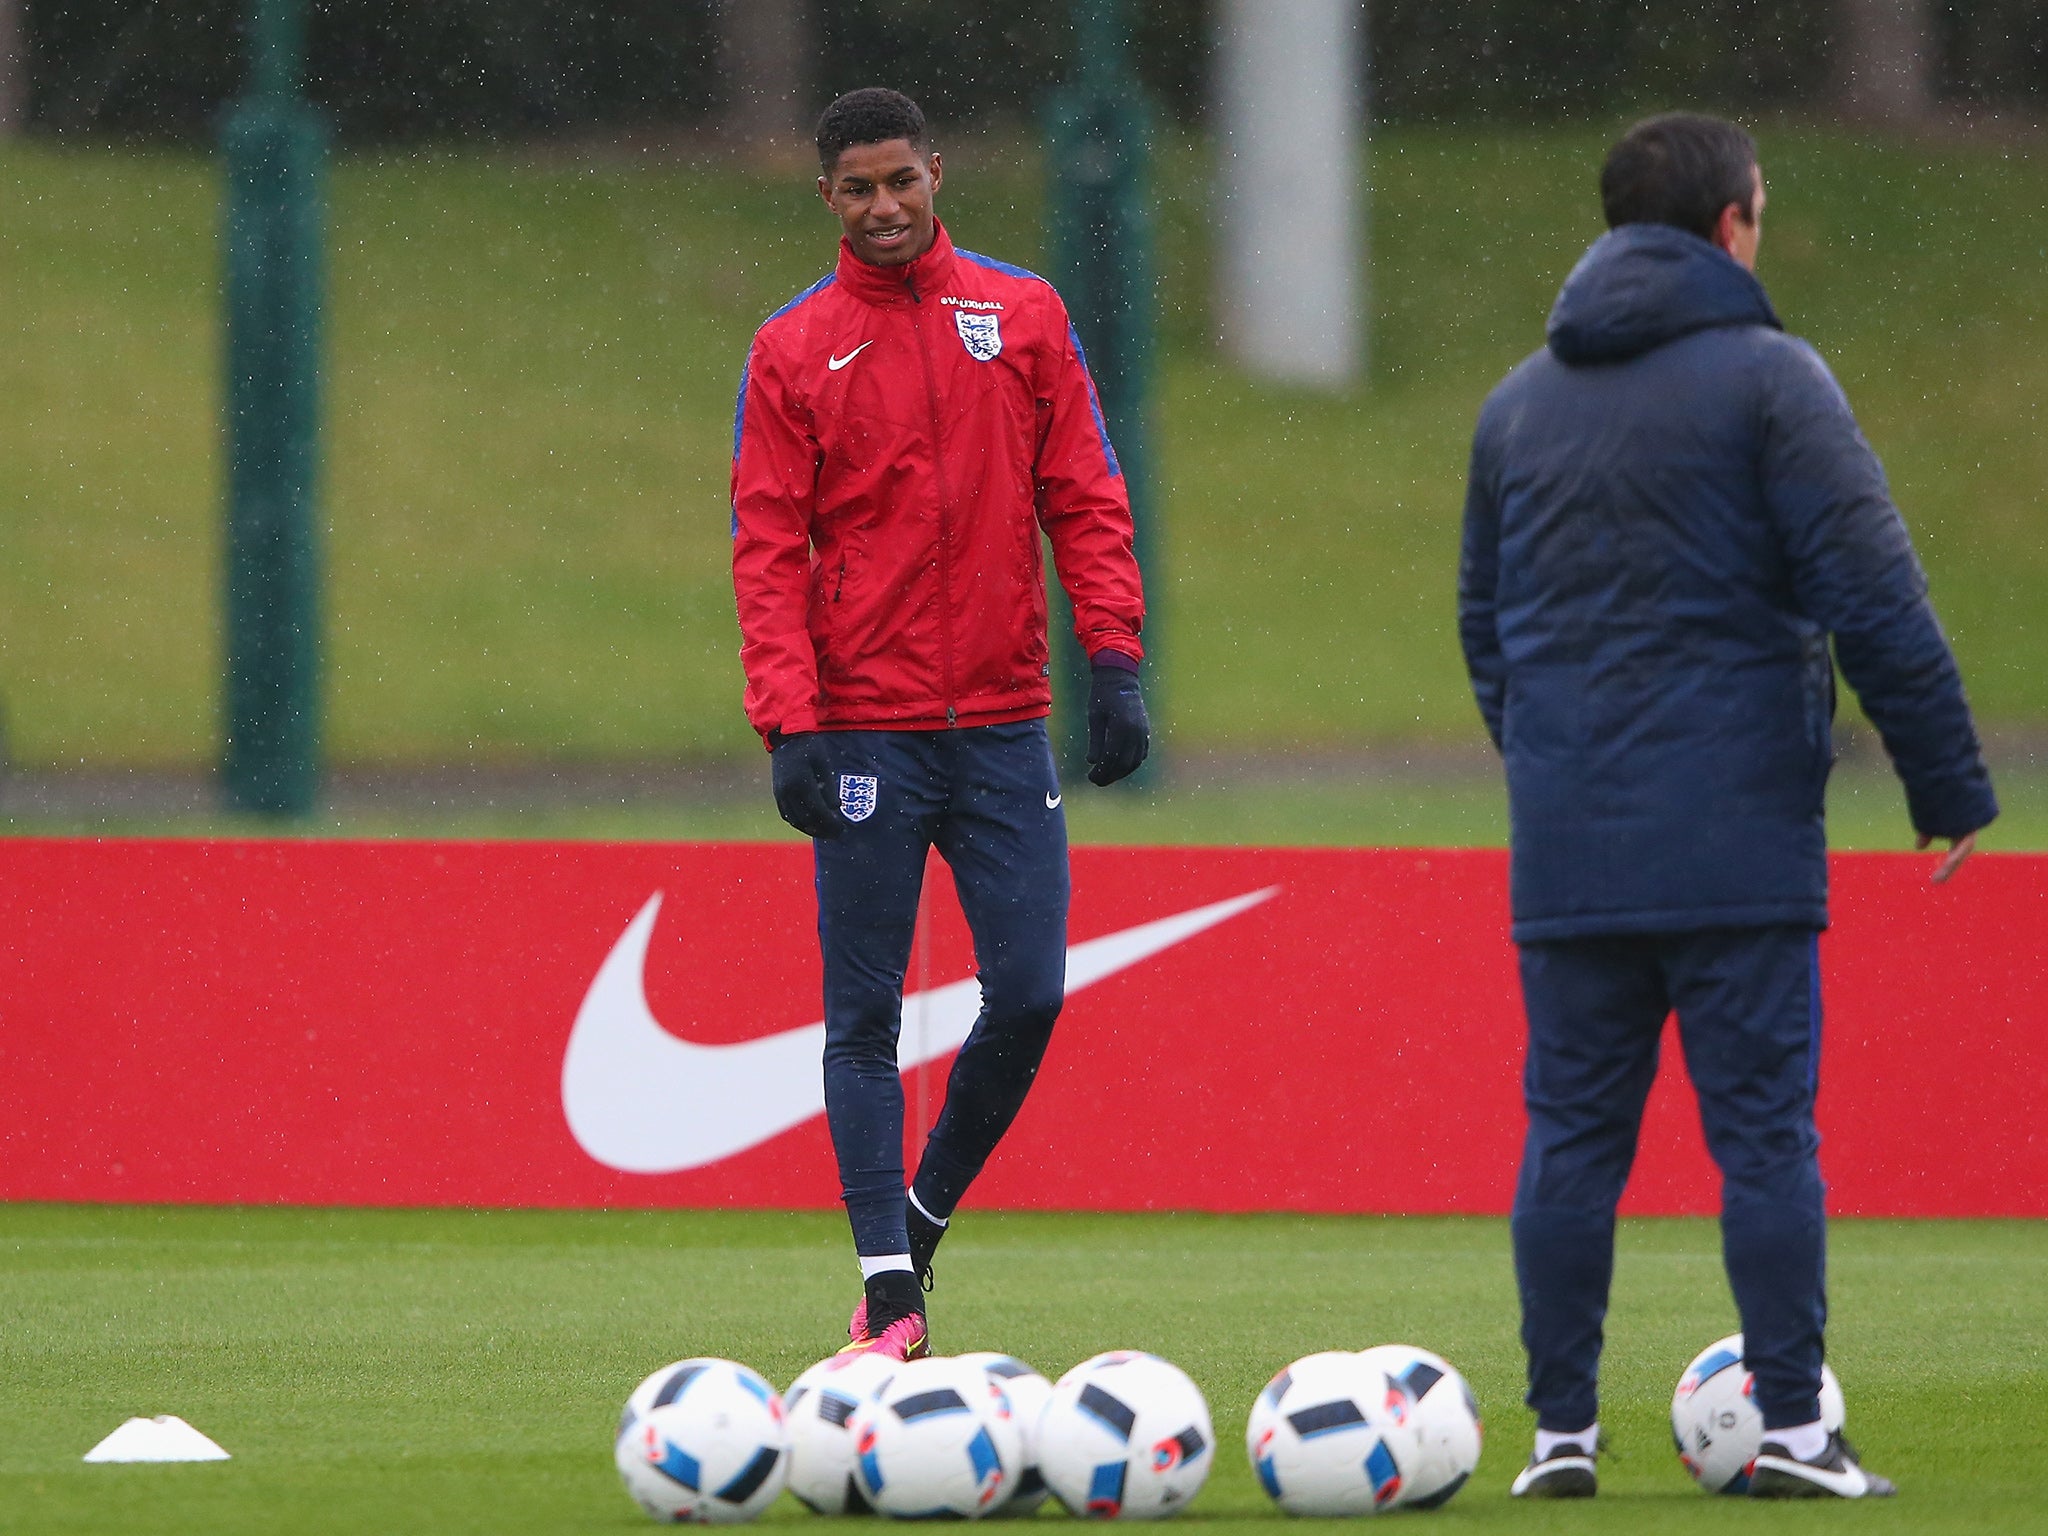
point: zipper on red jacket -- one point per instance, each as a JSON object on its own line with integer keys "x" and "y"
{"x": 931, "y": 392}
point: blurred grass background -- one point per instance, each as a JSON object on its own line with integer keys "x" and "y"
{"x": 531, "y": 366}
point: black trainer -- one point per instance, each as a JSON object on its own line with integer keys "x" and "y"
{"x": 1835, "y": 1473}
{"x": 1566, "y": 1473}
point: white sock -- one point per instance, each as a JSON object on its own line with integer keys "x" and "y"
{"x": 882, "y": 1263}
{"x": 1548, "y": 1440}
{"x": 937, "y": 1221}
{"x": 1804, "y": 1441}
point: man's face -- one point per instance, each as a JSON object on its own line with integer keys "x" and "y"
{"x": 1744, "y": 235}
{"x": 883, "y": 196}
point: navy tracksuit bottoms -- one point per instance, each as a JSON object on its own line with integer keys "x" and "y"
{"x": 988, "y": 798}
{"x": 1748, "y": 1006}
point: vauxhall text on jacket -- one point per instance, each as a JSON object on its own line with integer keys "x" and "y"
{"x": 902, "y": 435}
{"x": 1670, "y": 513}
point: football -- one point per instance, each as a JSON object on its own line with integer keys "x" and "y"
{"x": 1715, "y": 1421}
{"x": 1125, "y": 1436}
{"x": 703, "y": 1440}
{"x": 938, "y": 1438}
{"x": 1444, "y": 1415}
{"x": 1028, "y": 1392}
{"x": 1331, "y": 1435}
{"x": 818, "y": 1408}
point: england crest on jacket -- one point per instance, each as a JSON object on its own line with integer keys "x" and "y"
{"x": 981, "y": 334}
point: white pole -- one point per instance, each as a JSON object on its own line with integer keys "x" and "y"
{"x": 764, "y": 50}
{"x": 1885, "y": 50}
{"x": 1291, "y": 90}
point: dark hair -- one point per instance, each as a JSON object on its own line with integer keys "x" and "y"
{"x": 874, "y": 114}
{"x": 1682, "y": 169}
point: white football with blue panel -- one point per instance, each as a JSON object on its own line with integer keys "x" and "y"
{"x": 818, "y": 1408}
{"x": 1445, "y": 1416}
{"x": 939, "y": 1438}
{"x": 1330, "y": 1435}
{"x": 1028, "y": 1392}
{"x": 1125, "y": 1436}
{"x": 1716, "y": 1423}
{"x": 703, "y": 1440}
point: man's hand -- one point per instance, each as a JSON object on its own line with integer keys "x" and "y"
{"x": 803, "y": 785}
{"x": 1959, "y": 849}
{"x": 1119, "y": 735}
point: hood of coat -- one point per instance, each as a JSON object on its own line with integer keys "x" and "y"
{"x": 1643, "y": 285}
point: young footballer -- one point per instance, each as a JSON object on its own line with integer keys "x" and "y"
{"x": 910, "y": 429}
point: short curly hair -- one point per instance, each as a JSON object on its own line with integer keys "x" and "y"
{"x": 874, "y": 114}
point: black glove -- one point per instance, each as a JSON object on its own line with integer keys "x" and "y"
{"x": 1119, "y": 735}
{"x": 804, "y": 783}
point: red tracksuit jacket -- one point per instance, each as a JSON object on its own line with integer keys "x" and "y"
{"x": 902, "y": 435}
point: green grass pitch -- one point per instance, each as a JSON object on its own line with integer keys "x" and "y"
{"x": 531, "y": 367}
{"x": 445, "y": 1372}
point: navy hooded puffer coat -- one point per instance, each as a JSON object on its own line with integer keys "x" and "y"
{"x": 1670, "y": 512}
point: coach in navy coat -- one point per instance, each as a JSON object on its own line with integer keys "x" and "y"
{"x": 1670, "y": 514}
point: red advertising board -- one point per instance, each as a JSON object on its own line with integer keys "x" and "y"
{"x": 504, "y": 1024}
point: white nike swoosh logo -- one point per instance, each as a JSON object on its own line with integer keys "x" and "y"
{"x": 641, "y": 1100}
{"x": 1052, "y": 802}
{"x": 837, "y": 363}
{"x": 1851, "y": 1482}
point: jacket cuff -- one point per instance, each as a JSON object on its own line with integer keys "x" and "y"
{"x": 796, "y": 723}
{"x": 1954, "y": 808}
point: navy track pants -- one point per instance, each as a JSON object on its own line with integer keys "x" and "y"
{"x": 1748, "y": 1005}
{"x": 988, "y": 798}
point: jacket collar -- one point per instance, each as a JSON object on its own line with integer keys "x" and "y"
{"x": 929, "y": 273}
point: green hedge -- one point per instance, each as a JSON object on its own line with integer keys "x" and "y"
{"x": 401, "y": 69}
{"x": 1532, "y": 60}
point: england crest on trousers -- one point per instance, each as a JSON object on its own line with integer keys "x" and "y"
{"x": 981, "y": 334}
{"x": 857, "y": 795}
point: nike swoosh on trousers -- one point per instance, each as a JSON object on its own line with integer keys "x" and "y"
{"x": 641, "y": 1100}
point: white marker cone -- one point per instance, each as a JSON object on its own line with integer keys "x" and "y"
{"x": 163, "y": 1438}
